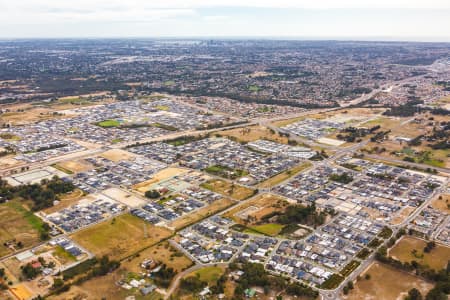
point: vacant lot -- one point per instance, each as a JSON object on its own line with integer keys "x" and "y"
{"x": 19, "y": 224}
{"x": 105, "y": 287}
{"x": 209, "y": 274}
{"x": 124, "y": 197}
{"x": 271, "y": 229}
{"x": 228, "y": 189}
{"x": 404, "y": 251}
{"x": 442, "y": 203}
{"x": 120, "y": 236}
{"x": 277, "y": 179}
{"x": 253, "y": 133}
{"x": 256, "y": 209}
{"x": 108, "y": 123}
{"x": 65, "y": 200}
{"x": 201, "y": 213}
{"x": 387, "y": 284}
{"x": 117, "y": 155}
{"x": 162, "y": 253}
{"x": 73, "y": 166}
{"x": 160, "y": 176}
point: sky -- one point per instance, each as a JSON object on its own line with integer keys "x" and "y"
{"x": 421, "y": 20}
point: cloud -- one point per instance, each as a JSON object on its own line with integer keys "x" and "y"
{"x": 221, "y": 17}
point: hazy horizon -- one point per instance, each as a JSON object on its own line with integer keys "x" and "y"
{"x": 401, "y": 20}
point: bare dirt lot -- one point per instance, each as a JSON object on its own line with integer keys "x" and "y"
{"x": 256, "y": 208}
{"x": 442, "y": 203}
{"x": 160, "y": 176}
{"x": 253, "y": 133}
{"x": 386, "y": 283}
{"x": 74, "y": 166}
{"x": 124, "y": 197}
{"x": 117, "y": 155}
{"x": 228, "y": 189}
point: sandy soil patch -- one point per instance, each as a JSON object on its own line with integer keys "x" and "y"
{"x": 331, "y": 142}
{"x": 442, "y": 203}
{"x": 75, "y": 166}
{"x": 386, "y": 283}
{"x": 402, "y": 215}
{"x": 124, "y": 197}
{"x": 253, "y": 133}
{"x": 159, "y": 176}
{"x": 117, "y": 155}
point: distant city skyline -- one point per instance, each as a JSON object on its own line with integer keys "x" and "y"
{"x": 322, "y": 19}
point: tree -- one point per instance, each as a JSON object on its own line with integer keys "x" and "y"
{"x": 414, "y": 294}
{"x": 152, "y": 194}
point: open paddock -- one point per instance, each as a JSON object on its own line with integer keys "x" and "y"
{"x": 257, "y": 208}
{"x": 66, "y": 200}
{"x": 410, "y": 248}
{"x": 386, "y": 283}
{"x": 253, "y": 133}
{"x": 120, "y": 236}
{"x": 228, "y": 189}
{"x": 19, "y": 225}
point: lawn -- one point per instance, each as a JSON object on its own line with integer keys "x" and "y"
{"x": 108, "y": 123}
{"x": 254, "y": 88}
{"x": 225, "y": 172}
{"x": 63, "y": 256}
{"x": 270, "y": 229}
{"x": 228, "y": 189}
{"x": 386, "y": 283}
{"x": 120, "y": 237}
{"x": 162, "y": 107}
{"x": 16, "y": 222}
{"x": 209, "y": 274}
{"x": 277, "y": 179}
{"x": 404, "y": 251}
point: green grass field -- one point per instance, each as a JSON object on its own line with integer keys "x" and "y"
{"x": 254, "y": 88}
{"x": 209, "y": 274}
{"x": 108, "y": 123}
{"x": 16, "y": 222}
{"x": 63, "y": 255}
{"x": 271, "y": 229}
